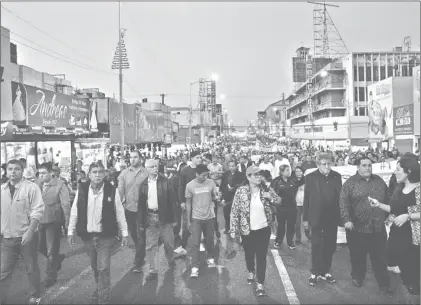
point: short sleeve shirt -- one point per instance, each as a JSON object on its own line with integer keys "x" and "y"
{"x": 201, "y": 194}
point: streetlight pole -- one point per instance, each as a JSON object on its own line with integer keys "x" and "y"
{"x": 120, "y": 69}
{"x": 190, "y": 119}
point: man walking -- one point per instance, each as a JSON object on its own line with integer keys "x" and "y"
{"x": 22, "y": 208}
{"x": 156, "y": 217}
{"x": 322, "y": 214}
{"x": 57, "y": 211}
{"x": 96, "y": 217}
{"x": 128, "y": 188}
{"x": 231, "y": 180}
{"x": 366, "y": 232}
{"x": 200, "y": 197}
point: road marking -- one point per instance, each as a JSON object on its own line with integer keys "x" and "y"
{"x": 289, "y": 288}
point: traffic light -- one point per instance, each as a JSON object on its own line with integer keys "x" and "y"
{"x": 335, "y": 126}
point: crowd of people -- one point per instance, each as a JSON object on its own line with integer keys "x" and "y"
{"x": 175, "y": 201}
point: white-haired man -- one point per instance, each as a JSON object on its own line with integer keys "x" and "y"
{"x": 321, "y": 213}
{"x": 156, "y": 217}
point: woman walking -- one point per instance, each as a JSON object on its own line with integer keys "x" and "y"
{"x": 404, "y": 237}
{"x": 251, "y": 216}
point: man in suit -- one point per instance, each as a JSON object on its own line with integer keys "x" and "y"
{"x": 321, "y": 213}
{"x": 156, "y": 217}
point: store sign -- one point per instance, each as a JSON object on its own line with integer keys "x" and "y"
{"x": 403, "y": 121}
{"x": 39, "y": 107}
{"x": 6, "y": 132}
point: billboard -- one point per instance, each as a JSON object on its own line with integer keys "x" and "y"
{"x": 403, "y": 120}
{"x": 149, "y": 125}
{"x": 129, "y": 123}
{"x": 34, "y": 106}
{"x": 380, "y": 110}
{"x": 99, "y": 107}
{"x": 298, "y": 70}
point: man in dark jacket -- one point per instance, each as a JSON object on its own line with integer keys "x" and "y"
{"x": 156, "y": 217}
{"x": 230, "y": 181}
{"x": 321, "y": 213}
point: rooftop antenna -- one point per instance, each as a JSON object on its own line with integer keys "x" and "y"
{"x": 328, "y": 43}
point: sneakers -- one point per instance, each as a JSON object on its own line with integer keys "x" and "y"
{"x": 272, "y": 236}
{"x": 327, "y": 277}
{"x": 394, "y": 269}
{"x": 250, "y": 278}
{"x": 194, "y": 272}
{"x": 202, "y": 247}
{"x": 291, "y": 246}
{"x": 211, "y": 263}
{"x": 312, "y": 280}
{"x": 277, "y": 245}
{"x": 260, "y": 290}
{"x": 180, "y": 251}
{"x": 34, "y": 301}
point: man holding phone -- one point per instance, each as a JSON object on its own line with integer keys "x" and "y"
{"x": 366, "y": 232}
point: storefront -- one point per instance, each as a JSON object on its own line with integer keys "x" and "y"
{"x": 89, "y": 150}
{"x": 46, "y": 125}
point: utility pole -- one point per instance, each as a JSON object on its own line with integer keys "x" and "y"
{"x": 190, "y": 120}
{"x": 120, "y": 62}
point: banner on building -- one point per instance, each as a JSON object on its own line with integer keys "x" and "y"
{"x": 149, "y": 126}
{"x": 34, "y": 106}
{"x": 129, "y": 123}
{"x": 6, "y": 133}
{"x": 403, "y": 121}
{"x": 380, "y": 110}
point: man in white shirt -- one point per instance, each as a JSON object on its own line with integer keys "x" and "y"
{"x": 96, "y": 217}
{"x": 266, "y": 165}
{"x": 279, "y": 160}
{"x": 156, "y": 217}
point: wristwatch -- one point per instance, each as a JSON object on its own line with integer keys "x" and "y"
{"x": 409, "y": 216}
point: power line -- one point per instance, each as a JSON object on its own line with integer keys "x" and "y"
{"x": 45, "y": 33}
{"x": 64, "y": 56}
{"x": 61, "y": 59}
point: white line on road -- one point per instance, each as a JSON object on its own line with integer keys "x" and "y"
{"x": 289, "y": 288}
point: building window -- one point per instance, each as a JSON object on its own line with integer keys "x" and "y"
{"x": 368, "y": 73}
{"x": 361, "y": 94}
{"x": 382, "y": 72}
{"x": 356, "y": 94}
{"x": 355, "y": 73}
{"x": 404, "y": 70}
{"x": 389, "y": 71}
{"x": 376, "y": 73}
{"x": 361, "y": 74}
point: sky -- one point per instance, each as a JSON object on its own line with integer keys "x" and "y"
{"x": 249, "y": 45}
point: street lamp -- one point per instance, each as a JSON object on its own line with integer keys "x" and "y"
{"x": 323, "y": 73}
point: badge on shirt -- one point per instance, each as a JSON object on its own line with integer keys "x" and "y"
{"x": 109, "y": 199}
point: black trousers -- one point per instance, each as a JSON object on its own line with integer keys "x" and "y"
{"x": 409, "y": 264}
{"x": 288, "y": 219}
{"x": 131, "y": 218}
{"x": 374, "y": 244}
{"x": 227, "y": 215}
{"x": 323, "y": 245}
{"x": 256, "y": 246}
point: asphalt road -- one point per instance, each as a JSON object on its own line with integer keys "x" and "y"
{"x": 286, "y": 281}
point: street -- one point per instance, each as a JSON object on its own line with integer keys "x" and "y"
{"x": 286, "y": 280}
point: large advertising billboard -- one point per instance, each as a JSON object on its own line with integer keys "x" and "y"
{"x": 34, "y": 106}
{"x": 129, "y": 123}
{"x": 403, "y": 120}
{"x": 380, "y": 110}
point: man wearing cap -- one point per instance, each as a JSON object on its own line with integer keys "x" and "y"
{"x": 156, "y": 217}
{"x": 187, "y": 175}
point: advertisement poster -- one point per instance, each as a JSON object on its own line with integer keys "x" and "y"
{"x": 147, "y": 125}
{"x": 380, "y": 110}
{"x": 99, "y": 107}
{"x": 403, "y": 121}
{"x": 38, "y": 107}
{"x": 129, "y": 123}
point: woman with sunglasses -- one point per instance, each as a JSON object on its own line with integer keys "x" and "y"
{"x": 251, "y": 217}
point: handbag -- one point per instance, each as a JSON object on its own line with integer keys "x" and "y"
{"x": 415, "y": 224}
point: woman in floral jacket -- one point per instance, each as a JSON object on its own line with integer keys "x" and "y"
{"x": 251, "y": 216}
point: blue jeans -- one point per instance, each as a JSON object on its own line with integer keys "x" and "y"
{"x": 49, "y": 246}
{"x": 99, "y": 251}
{"x": 11, "y": 248}
{"x": 207, "y": 227}
{"x": 181, "y": 226}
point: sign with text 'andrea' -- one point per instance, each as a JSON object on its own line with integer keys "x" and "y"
{"x": 42, "y": 107}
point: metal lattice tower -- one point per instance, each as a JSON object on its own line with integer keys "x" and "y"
{"x": 203, "y": 98}
{"x": 328, "y": 43}
{"x": 407, "y": 43}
